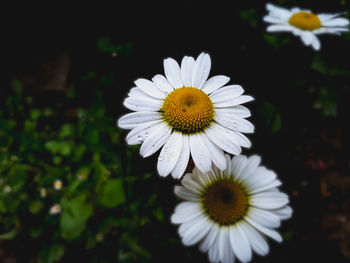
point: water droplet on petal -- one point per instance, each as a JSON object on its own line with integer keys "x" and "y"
{"x": 160, "y": 158}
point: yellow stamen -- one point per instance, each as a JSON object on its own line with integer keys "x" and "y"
{"x": 305, "y": 20}
{"x": 225, "y": 202}
{"x": 188, "y": 110}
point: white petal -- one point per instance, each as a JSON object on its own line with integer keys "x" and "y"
{"x": 238, "y": 164}
{"x": 306, "y": 37}
{"x": 316, "y": 44}
{"x": 228, "y": 169}
{"x": 182, "y": 162}
{"x": 155, "y": 140}
{"x": 336, "y": 22}
{"x": 150, "y": 88}
{"x": 251, "y": 165}
{"x": 137, "y": 92}
{"x": 238, "y": 110}
{"x": 185, "y": 194}
{"x": 169, "y": 154}
{"x": 256, "y": 240}
{"x": 162, "y": 83}
{"x": 269, "y": 232}
{"x": 240, "y": 244}
{"x": 140, "y": 133}
{"x": 197, "y": 231}
{"x": 201, "y": 69}
{"x": 278, "y": 11}
{"x": 232, "y": 122}
{"x": 326, "y": 17}
{"x": 173, "y": 73}
{"x": 192, "y": 185}
{"x": 284, "y": 212}
{"x": 185, "y": 211}
{"x": 269, "y": 186}
{"x": 187, "y": 64}
{"x": 330, "y": 30}
{"x": 236, "y": 101}
{"x": 226, "y": 93}
{"x": 224, "y": 138}
{"x": 225, "y": 251}
{"x": 210, "y": 238}
{"x": 134, "y": 119}
{"x": 142, "y": 104}
{"x": 184, "y": 227}
{"x": 264, "y": 217}
{"x": 214, "y": 83}
{"x": 199, "y": 153}
{"x": 273, "y": 19}
{"x": 269, "y": 200}
{"x": 260, "y": 177}
{"x": 214, "y": 250}
{"x": 279, "y": 28}
{"x": 216, "y": 154}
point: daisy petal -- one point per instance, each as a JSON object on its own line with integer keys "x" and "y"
{"x": 251, "y": 165}
{"x": 199, "y": 153}
{"x": 238, "y": 110}
{"x": 187, "y": 64}
{"x": 226, "y": 93}
{"x": 269, "y": 186}
{"x": 142, "y": 104}
{"x": 169, "y": 154}
{"x": 269, "y": 232}
{"x": 236, "y": 101}
{"x": 284, "y": 212}
{"x": 214, "y": 83}
{"x": 216, "y": 154}
{"x": 173, "y": 73}
{"x": 257, "y": 242}
{"x": 134, "y": 119}
{"x": 264, "y": 217}
{"x": 150, "y": 88}
{"x": 210, "y": 238}
{"x": 273, "y": 19}
{"x": 197, "y": 231}
{"x": 185, "y": 211}
{"x": 316, "y": 44}
{"x": 201, "y": 69}
{"x": 336, "y": 22}
{"x": 182, "y": 162}
{"x": 278, "y": 11}
{"x": 223, "y": 138}
{"x": 185, "y": 194}
{"x": 279, "y": 28}
{"x": 155, "y": 140}
{"x": 139, "y": 133}
{"x": 162, "y": 83}
{"x": 240, "y": 244}
{"x": 225, "y": 251}
{"x": 269, "y": 200}
{"x": 233, "y": 123}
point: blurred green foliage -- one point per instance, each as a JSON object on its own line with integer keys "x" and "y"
{"x": 84, "y": 152}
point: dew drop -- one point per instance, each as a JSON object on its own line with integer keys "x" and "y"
{"x": 160, "y": 158}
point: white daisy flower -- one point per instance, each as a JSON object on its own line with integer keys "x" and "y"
{"x": 305, "y": 24}
{"x": 58, "y": 184}
{"x": 43, "y": 192}
{"x": 186, "y": 114}
{"x": 231, "y": 212}
{"x": 55, "y": 209}
{"x": 7, "y": 189}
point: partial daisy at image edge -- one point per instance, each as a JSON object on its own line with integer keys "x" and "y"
{"x": 230, "y": 212}
{"x": 304, "y": 23}
{"x": 185, "y": 114}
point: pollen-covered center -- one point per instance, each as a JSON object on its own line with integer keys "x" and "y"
{"x": 225, "y": 202}
{"x": 305, "y": 20}
{"x": 188, "y": 110}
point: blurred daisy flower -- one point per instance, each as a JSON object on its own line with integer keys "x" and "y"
{"x": 186, "y": 114}
{"x": 43, "y": 192}
{"x": 7, "y": 189}
{"x": 55, "y": 209}
{"x": 57, "y": 184}
{"x": 305, "y": 24}
{"x": 231, "y": 212}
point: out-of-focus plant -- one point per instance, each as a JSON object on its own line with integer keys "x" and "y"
{"x": 63, "y": 183}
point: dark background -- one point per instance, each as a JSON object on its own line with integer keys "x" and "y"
{"x": 51, "y": 48}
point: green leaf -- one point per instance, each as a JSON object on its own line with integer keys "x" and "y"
{"x": 75, "y": 214}
{"x": 52, "y": 253}
{"x": 35, "y": 114}
{"x": 251, "y": 16}
{"x": 319, "y": 64}
{"x": 112, "y": 193}
{"x": 271, "y": 118}
{"x": 66, "y": 130}
{"x": 36, "y": 206}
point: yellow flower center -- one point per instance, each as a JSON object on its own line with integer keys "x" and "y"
{"x": 305, "y": 20}
{"x": 188, "y": 110}
{"x": 225, "y": 202}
